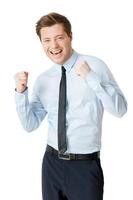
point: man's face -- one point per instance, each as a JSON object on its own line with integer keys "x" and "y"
{"x": 56, "y": 43}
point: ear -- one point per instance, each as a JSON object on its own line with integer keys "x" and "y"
{"x": 71, "y": 36}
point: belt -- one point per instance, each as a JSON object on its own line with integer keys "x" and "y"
{"x": 71, "y": 156}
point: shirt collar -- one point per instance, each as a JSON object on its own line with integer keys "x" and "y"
{"x": 69, "y": 63}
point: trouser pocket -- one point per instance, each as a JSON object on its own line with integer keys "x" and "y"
{"x": 99, "y": 168}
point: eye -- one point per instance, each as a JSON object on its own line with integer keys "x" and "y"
{"x": 60, "y": 38}
{"x": 46, "y": 41}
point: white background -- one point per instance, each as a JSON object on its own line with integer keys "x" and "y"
{"x": 102, "y": 28}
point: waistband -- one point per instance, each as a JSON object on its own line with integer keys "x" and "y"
{"x": 71, "y": 156}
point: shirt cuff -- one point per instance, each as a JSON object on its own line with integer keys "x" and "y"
{"x": 21, "y": 97}
{"x": 21, "y": 92}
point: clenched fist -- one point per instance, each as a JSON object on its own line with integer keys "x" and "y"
{"x": 21, "y": 80}
{"x": 82, "y": 69}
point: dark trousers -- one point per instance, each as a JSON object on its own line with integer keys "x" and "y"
{"x": 71, "y": 179}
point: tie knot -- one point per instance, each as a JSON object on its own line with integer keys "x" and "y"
{"x": 63, "y": 70}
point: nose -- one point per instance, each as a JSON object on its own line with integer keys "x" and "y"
{"x": 54, "y": 43}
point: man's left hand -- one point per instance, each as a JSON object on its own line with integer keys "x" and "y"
{"x": 82, "y": 69}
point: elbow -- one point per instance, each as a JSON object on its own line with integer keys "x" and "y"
{"x": 28, "y": 129}
{"x": 118, "y": 112}
{"x": 120, "y": 115}
{"x": 122, "y": 112}
{"x": 120, "y": 108}
{"x": 31, "y": 125}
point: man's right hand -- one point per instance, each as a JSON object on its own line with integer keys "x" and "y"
{"x": 21, "y": 80}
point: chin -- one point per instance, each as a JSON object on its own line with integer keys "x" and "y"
{"x": 60, "y": 62}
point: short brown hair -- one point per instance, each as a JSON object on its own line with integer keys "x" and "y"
{"x": 52, "y": 19}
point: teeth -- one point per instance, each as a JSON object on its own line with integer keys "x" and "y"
{"x": 56, "y": 52}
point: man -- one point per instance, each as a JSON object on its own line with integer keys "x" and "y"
{"x": 73, "y": 94}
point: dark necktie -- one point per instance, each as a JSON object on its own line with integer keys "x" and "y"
{"x": 62, "y": 146}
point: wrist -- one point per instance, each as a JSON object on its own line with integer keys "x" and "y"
{"x": 20, "y": 90}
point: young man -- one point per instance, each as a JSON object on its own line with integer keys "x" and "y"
{"x": 73, "y": 93}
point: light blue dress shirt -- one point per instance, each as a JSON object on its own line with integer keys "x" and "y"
{"x": 86, "y": 100}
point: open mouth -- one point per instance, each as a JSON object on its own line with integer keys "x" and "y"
{"x": 56, "y": 52}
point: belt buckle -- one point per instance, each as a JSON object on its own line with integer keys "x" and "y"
{"x": 66, "y": 156}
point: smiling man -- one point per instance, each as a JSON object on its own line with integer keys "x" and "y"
{"x": 73, "y": 94}
{"x": 56, "y": 43}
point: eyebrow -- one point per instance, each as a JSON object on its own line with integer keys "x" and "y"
{"x": 59, "y": 35}
{"x": 55, "y": 37}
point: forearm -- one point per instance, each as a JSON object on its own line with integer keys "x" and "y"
{"x": 109, "y": 93}
{"x": 29, "y": 115}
